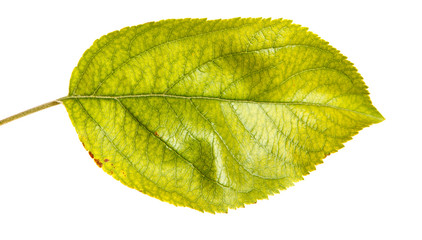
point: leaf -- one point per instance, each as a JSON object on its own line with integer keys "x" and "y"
{"x": 215, "y": 114}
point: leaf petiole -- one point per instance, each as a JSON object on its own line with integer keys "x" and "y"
{"x": 29, "y": 111}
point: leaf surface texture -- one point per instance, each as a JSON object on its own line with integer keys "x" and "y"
{"x": 215, "y": 114}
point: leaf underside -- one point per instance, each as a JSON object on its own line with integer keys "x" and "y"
{"x": 215, "y": 114}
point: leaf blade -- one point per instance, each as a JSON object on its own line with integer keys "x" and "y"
{"x": 230, "y": 114}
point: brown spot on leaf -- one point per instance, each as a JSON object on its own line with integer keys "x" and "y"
{"x": 156, "y": 134}
{"x": 91, "y": 155}
{"x": 106, "y": 160}
{"x": 83, "y": 145}
{"x": 99, "y": 164}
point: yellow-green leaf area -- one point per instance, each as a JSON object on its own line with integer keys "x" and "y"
{"x": 215, "y": 114}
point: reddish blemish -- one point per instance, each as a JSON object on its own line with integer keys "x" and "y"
{"x": 99, "y": 164}
{"x": 91, "y": 155}
{"x": 156, "y": 134}
{"x": 83, "y": 145}
{"x": 106, "y": 160}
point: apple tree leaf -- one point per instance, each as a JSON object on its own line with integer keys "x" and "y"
{"x": 215, "y": 114}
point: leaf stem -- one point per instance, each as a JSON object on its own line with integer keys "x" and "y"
{"x": 29, "y": 111}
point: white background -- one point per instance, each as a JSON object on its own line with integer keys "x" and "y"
{"x": 51, "y": 189}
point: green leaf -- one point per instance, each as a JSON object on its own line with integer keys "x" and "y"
{"x": 215, "y": 114}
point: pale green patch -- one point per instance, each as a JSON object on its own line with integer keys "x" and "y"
{"x": 215, "y": 114}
